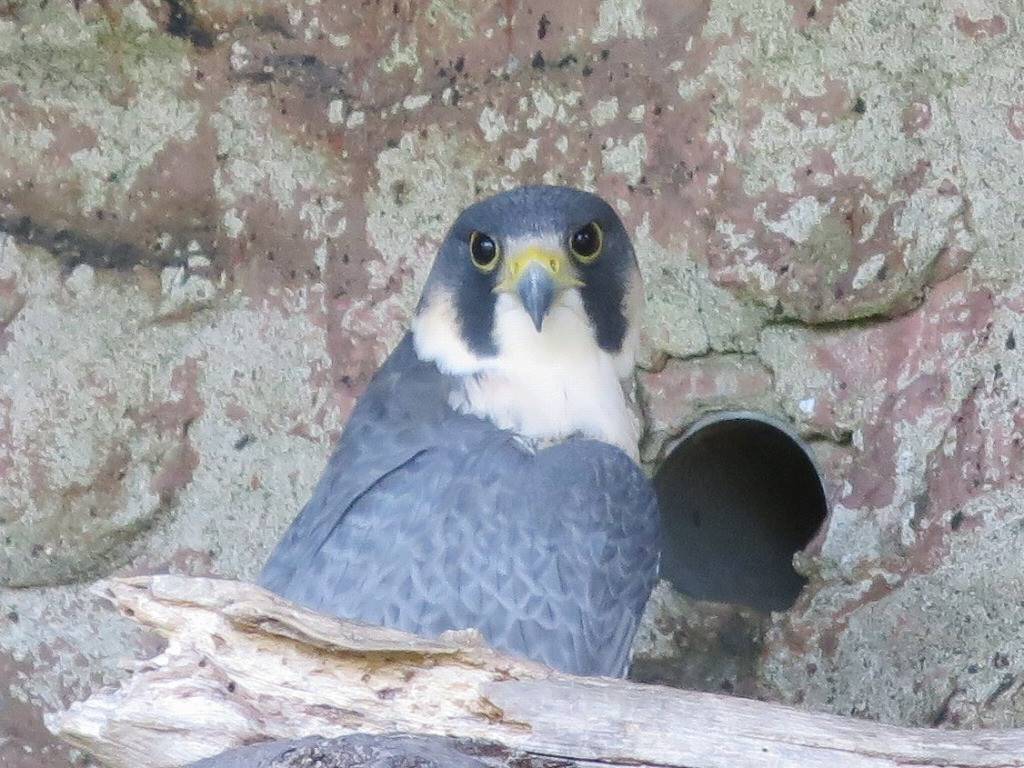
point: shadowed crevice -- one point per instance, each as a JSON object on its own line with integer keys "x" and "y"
{"x": 182, "y": 23}
{"x": 739, "y": 495}
{"x": 73, "y": 247}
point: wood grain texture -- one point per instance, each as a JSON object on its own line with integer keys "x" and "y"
{"x": 244, "y": 666}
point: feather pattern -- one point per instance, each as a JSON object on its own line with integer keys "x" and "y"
{"x": 427, "y": 520}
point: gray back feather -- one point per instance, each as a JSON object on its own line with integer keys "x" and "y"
{"x": 428, "y": 520}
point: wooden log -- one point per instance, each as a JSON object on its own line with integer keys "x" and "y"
{"x": 363, "y": 750}
{"x": 243, "y": 666}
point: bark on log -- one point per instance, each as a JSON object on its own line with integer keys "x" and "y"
{"x": 243, "y": 666}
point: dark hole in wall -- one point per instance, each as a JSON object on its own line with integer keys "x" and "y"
{"x": 739, "y": 496}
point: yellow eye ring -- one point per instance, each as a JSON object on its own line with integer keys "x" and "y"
{"x": 586, "y": 243}
{"x": 484, "y": 252}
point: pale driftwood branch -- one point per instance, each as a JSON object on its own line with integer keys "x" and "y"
{"x": 243, "y": 666}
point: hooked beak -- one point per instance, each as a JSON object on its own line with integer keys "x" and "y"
{"x": 538, "y": 275}
{"x": 536, "y": 290}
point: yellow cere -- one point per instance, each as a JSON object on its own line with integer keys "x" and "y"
{"x": 555, "y": 262}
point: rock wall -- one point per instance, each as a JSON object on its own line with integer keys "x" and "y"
{"x": 215, "y": 216}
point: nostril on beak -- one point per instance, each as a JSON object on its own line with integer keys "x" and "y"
{"x": 536, "y": 290}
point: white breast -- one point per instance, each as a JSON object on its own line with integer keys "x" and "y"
{"x": 544, "y": 386}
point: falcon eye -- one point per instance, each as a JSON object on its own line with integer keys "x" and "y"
{"x": 484, "y": 251}
{"x": 586, "y": 242}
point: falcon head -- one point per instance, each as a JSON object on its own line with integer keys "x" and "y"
{"x": 534, "y": 302}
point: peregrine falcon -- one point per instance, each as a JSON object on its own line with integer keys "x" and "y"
{"x": 488, "y": 476}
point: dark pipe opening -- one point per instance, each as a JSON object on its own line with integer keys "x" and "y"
{"x": 739, "y": 495}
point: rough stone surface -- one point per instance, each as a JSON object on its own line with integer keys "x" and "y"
{"x": 698, "y": 645}
{"x": 215, "y": 216}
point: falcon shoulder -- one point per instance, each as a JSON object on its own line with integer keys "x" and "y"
{"x": 428, "y": 520}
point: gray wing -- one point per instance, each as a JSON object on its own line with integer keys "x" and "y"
{"x": 550, "y": 554}
{"x": 395, "y": 419}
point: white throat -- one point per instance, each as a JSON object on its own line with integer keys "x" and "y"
{"x": 543, "y": 386}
